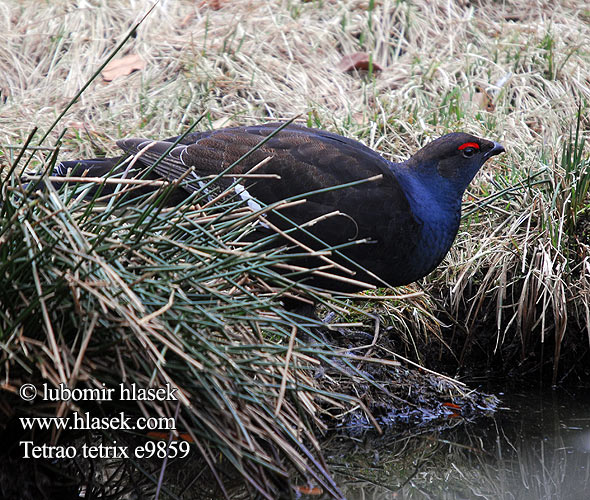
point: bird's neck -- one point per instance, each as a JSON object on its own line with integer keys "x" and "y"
{"x": 436, "y": 204}
{"x": 433, "y": 198}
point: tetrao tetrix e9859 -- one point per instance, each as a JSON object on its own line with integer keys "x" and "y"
{"x": 406, "y": 214}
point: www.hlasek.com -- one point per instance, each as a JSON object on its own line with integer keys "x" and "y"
{"x": 86, "y": 421}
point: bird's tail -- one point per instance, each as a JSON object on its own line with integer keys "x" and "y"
{"x": 97, "y": 167}
{"x": 106, "y": 175}
{"x": 93, "y": 172}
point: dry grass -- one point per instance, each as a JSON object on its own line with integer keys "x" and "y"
{"x": 513, "y": 72}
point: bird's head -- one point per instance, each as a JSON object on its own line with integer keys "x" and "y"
{"x": 453, "y": 159}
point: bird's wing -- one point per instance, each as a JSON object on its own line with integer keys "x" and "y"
{"x": 303, "y": 160}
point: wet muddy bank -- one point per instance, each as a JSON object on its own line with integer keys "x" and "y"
{"x": 536, "y": 446}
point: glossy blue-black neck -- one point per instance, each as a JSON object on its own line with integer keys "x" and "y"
{"x": 435, "y": 202}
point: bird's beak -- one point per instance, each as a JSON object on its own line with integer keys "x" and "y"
{"x": 496, "y": 150}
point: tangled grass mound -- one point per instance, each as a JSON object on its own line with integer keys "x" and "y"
{"x": 103, "y": 292}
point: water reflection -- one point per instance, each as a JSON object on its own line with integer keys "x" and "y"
{"x": 539, "y": 448}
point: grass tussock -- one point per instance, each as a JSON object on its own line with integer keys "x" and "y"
{"x": 109, "y": 291}
{"x": 105, "y": 292}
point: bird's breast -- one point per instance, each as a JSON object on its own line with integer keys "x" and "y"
{"x": 435, "y": 241}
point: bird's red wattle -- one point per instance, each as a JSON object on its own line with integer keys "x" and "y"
{"x": 468, "y": 145}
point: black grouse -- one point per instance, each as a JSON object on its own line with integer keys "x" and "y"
{"x": 406, "y": 215}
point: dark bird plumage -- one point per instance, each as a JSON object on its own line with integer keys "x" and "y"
{"x": 408, "y": 214}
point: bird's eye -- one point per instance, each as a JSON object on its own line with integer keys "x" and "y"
{"x": 468, "y": 149}
{"x": 468, "y": 152}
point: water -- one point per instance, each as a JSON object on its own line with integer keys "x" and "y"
{"x": 538, "y": 448}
